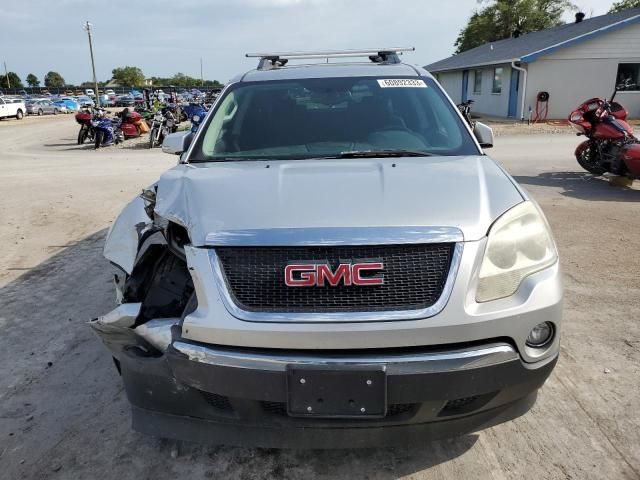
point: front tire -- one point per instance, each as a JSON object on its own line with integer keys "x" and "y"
{"x": 98, "y": 141}
{"x": 152, "y": 137}
{"x": 55, "y": 111}
{"x": 19, "y": 115}
{"x": 588, "y": 159}
{"x": 82, "y": 135}
{"x": 40, "y": 112}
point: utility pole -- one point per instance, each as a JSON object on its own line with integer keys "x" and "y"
{"x": 6, "y": 74}
{"x": 87, "y": 27}
{"x": 201, "y": 77}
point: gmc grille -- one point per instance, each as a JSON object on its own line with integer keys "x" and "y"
{"x": 414, "y": 278}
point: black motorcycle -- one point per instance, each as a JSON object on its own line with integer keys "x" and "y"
{"x": 164, "y": 123}
{"x": 465, "y": 110}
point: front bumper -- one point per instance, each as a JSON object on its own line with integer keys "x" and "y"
{"x": 238, "y": 396}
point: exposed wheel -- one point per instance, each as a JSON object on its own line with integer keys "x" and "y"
{"x": 82, "y": 136}
{"x": 19, "y": 115}
{"x": 152, "y": 137}
{"x": 40, "y": 112}
{"x": 55, "y": 111}
{"x": 588, "y": 159}
{"x": 98, "y": 141}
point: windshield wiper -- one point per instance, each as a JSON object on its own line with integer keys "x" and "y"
{"x": 383, "y": 153}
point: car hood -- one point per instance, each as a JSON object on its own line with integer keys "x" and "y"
{"x": 467, "y": 193}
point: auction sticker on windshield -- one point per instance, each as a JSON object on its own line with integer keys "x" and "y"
{"x": 401, "y": 83}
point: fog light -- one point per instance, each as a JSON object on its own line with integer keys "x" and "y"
{"x": 540, "y": 335}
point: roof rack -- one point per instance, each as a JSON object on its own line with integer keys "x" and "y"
{"x": 376, "y": 55}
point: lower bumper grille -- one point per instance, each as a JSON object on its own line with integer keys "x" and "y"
{"x": 414, "y": 278}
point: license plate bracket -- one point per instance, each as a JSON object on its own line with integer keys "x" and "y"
{"x": 337, "y": 391}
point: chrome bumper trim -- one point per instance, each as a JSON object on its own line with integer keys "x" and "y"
{"x": 445, "y": 360}
{"x": 335, "y": 317}
{"x": 321, "y": 236}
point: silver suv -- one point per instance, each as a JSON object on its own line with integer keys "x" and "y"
{"x": 334, "y": 262}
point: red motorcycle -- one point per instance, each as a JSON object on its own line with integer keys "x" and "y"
{"x": 87, "y": 132}
{"x": 610, "y": 145}
{"x": 130, "y": 123}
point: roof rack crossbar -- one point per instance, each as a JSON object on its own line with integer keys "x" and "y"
{"x": 376, "y": 55}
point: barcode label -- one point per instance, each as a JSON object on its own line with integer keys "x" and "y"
{"x": 401, "y": 83}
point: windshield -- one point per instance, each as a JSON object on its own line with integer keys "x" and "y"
{"x": 332, "y": 117}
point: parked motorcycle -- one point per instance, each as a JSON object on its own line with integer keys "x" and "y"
{"x": 197, "y": 116}
{"x": 465, "y": 110}
{"x": 611, "y": 145}
{"x": 87, "y": 132}
{"x": 104, "y": 131}
{"x": 130, "y": 123}
{"x": 164, "y": 123}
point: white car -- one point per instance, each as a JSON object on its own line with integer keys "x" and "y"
{"x": 12, "y": 108}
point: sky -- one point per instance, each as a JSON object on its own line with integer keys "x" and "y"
{"x": 164, "y": 37}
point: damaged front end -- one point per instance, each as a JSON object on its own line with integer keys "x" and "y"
{"x": 154, "y": 291}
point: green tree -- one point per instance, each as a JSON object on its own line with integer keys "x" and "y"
{"x": 500, "y": 19}
{"x": 14, "y": 80}
{"x": 623, "y": 5}
{"x": 128, "y": 76}
{"x": 53, "y": 80}
{"x": 32, "y": 80}
{"x": 182, "y": 80}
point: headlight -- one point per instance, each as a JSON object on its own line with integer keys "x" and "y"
{"x": 195, "y": 118}
{"x": 519, "y": 244}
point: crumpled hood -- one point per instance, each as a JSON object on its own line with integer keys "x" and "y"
{"x": 467, "y": 193}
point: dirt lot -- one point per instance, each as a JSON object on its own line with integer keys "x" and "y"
{"x": 63, "y": 413}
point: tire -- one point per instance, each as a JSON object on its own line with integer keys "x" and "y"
{"x": 19, "y": 115}
{"x": 55, "y": 111}
{"x": 40, "y": 112}
{"x": 152, "y": 138}
{"x": 82, "y": 136}
{"x": 589, "y": 161}
{"x": 98, "y": 141}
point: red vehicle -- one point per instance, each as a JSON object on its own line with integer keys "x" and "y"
{"x": 131, "y": 123}
{"x": 610, "y": 145}
{"x": 83, "y": 117}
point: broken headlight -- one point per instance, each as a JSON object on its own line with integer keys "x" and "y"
{"x": 519, "y": 244}
{"x": 177, "y": 237}
{"x": 149, "y": 197}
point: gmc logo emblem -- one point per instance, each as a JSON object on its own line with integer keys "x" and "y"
{"x": 320, "y": 275}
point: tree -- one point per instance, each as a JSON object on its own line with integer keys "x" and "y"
{"x": 182, "y": 80}
{"x": 14, "y": 80}
{"x": 32, "y": 80}
{"x": 502, "y": 19}
{"x": 53, "y": 80}
{"x": 624, "y": 5}
{"x": 128, "y": 76}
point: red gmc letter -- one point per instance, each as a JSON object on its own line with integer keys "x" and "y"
{"x": 343, "y": 273}
{"x": 360, "y": 267}
{"x": 307, "y": 277}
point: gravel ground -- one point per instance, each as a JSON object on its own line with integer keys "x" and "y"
{"x": 63, "y": 413}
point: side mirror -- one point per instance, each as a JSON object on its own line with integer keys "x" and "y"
{"x": 484, "y": 134}
{"x": 177, "y": 143}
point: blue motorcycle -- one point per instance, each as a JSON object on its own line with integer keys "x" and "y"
{"x": 105, "y": 132}
{"x": 196, "y": 115}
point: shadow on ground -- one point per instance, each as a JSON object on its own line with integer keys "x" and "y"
{"x": 63, "y": 411}
{"x": 583, "y": 186}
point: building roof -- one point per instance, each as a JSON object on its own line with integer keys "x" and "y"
{"x": 529, "y": 47}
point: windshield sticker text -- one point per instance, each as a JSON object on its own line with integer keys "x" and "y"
{"x": 401, "y": 83}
